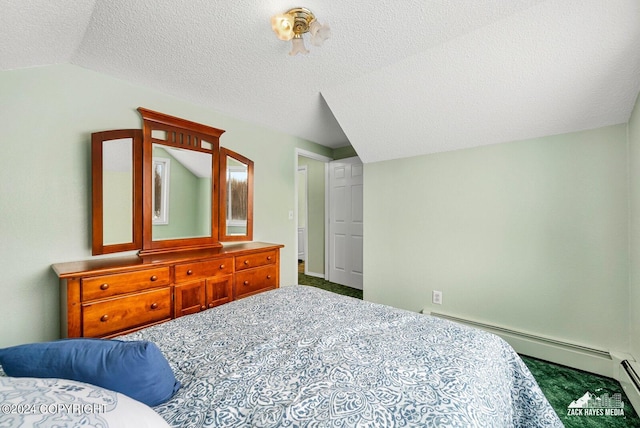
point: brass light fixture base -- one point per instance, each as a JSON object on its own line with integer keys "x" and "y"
{"x": 302, "y": 19}
{"x": 294, "y": 23}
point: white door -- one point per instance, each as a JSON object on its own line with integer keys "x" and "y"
{"x": 345, "y": 222}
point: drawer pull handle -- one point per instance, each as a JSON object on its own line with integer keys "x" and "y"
{"x": 104, "y": 286}
{"x": 246, "y": 262}
{"x": 153, "y": 278}
{"x": 154, "y": 306}
{"x": 246, "y": 283}
{"x": 268, "y": 257}
{"x": 189, "y": 272}
{"x": 104, "y": 318}
{"x": 203, "y": 307}
{"x": 268, "y": 276}
{"x": 222, "y": 266}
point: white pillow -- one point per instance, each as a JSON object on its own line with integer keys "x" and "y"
{"x": 60, "y": 403}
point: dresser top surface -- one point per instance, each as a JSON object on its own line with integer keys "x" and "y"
{"x": 110, "y": 264}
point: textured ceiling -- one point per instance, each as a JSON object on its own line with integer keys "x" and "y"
{"x": 392, "y": 81}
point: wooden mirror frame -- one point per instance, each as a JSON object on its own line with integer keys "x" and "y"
{"x": 224, "y": 237}
{"x": 97, "y": 202}
{"x": 182, "y": 134}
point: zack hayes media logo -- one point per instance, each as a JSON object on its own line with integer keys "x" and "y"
{"x": 591, "y": 405}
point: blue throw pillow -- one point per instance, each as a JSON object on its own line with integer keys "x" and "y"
{"x": 137, "y": 368}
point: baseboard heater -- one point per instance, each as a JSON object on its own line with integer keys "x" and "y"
{"x": 532, "y": 337}
{"x": 633, "y": 376}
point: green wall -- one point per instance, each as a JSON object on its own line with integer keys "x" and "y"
{"x": 47, "y": 117}
{"x": 531, "y": 235}
{"x": 344, "y": 152}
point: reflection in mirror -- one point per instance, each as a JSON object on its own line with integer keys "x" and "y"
{"x": 160, "y": 190}
{"x": 181, "y": 193}
{"x": 236, "y": 196}
{"x": 116, "y": 170}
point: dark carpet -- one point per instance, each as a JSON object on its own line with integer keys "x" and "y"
{"x": 329, "y": 286}
{"x": 562, "y": 385}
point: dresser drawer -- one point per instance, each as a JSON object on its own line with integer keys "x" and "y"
{"x": 199, "y": 270}
{"x": 103, "y": 318}
{"x": 254, "y": 260}
{"x": 255, "y": 280}
{"x": 99, "y": 287}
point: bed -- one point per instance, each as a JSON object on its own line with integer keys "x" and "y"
{"x": 303, "y": 357}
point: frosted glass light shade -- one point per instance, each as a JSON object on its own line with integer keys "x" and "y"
{"x": 294, "y": 24}
{"x": 319, "y": 33}
{"x": 282, "y": 25}
{"x": 298, "y": 47}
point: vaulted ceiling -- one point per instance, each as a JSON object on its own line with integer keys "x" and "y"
{"x": 395, "y": 79}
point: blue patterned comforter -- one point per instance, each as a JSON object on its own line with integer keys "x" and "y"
{"x": 298, "y": 356}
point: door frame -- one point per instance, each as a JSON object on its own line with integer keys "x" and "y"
{"x": 325, "y": 160}
{"x": 305, "y": 170}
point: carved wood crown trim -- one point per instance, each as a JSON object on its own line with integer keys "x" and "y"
{"x": 180, "y": 133}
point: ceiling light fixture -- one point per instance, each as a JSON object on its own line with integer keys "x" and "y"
{"x": 292, "y": 24}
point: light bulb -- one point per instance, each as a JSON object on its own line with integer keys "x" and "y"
{"x": 282, "y": 25}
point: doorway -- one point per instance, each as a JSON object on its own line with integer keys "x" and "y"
{"x": 311, "y": 208}
{"x": 330, "y": 250}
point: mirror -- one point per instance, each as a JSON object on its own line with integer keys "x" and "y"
{"x": 116, "y": 159}
{"x": 180, "y": 162}
{"x": 236, "y": 196}
{"x": 181, "y": 193}
{"x": 168, "y": 187}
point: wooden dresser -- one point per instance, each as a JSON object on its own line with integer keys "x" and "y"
{"x": 112, "y": 296}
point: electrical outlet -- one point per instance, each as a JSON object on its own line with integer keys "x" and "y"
{"x": 436, "y": 297}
